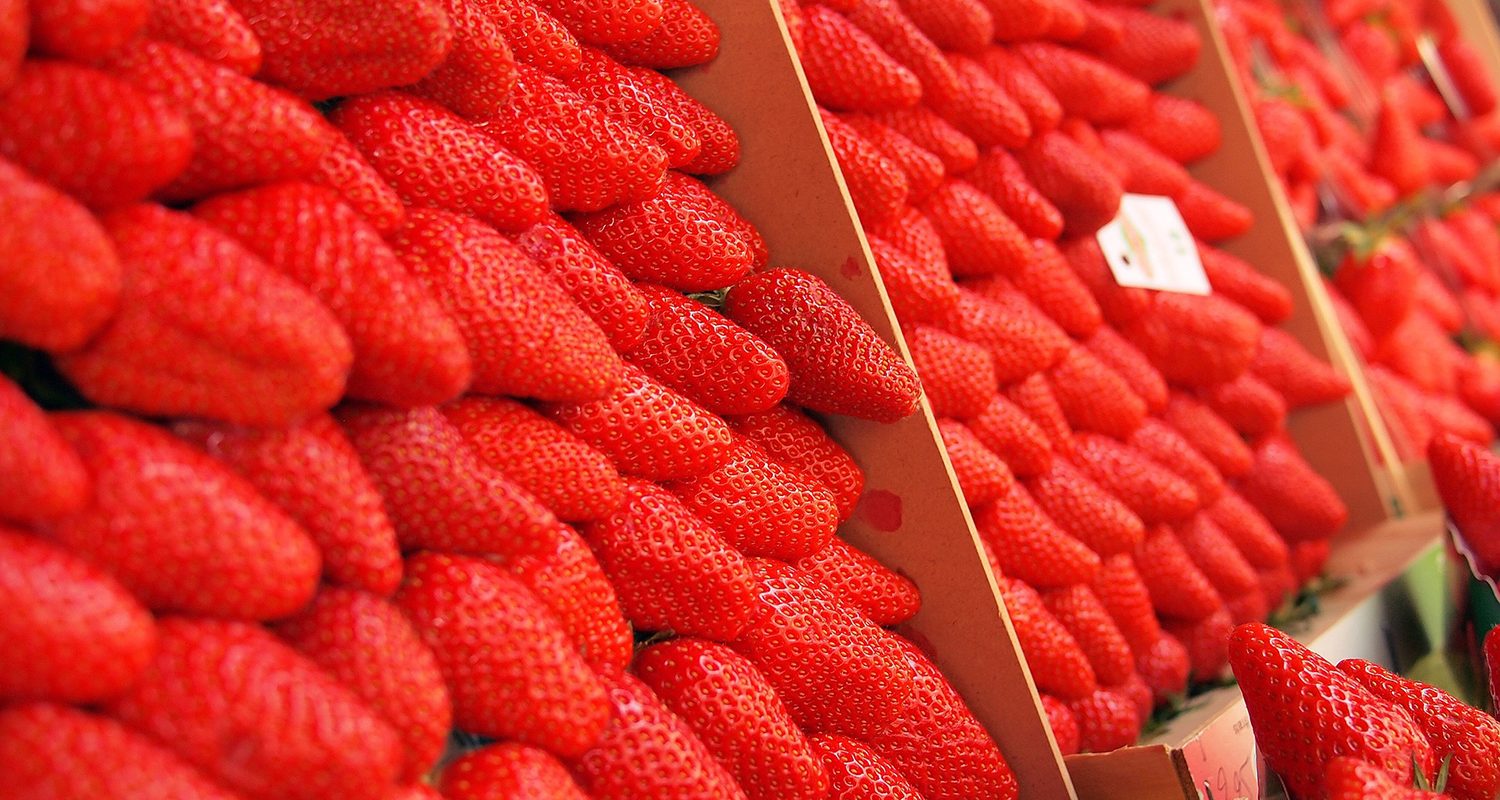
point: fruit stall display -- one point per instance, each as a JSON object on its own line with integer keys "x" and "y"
{"x": 668, "y": 399}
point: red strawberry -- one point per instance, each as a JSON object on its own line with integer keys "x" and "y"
{"x": 876, "y": 185}
{"x": 408, "y": 351}
{"x": 1147, "y": 171}
{"x": 847, "y": 70}
{"x": 1248, "y": 404}
{"x": 479, "y": 70}
{"x": 1024, "y": 543}
{"x": 632, "y": 98}
{"x": 1206, "y": 640}
{"x": 59, "y": 752}
{"x": 210, "y": 29}
{"x": 697, "y": 351}
{"x": 1057, "y": 665}
{"x": 981, "y": 108}
{"x": 1286, "y": 131}
{"x": 1348, "y": 778}
{"x": 647, "y": 751}
{"x": 919, "y": 289}
{"x": 686, "y": 37}
{"x": 914, "y": 235}
{"x": 1000, "y": 176}
{"x": 1034, "y": 396}
{"x": 1196, "y": 341}
{"x": 438, "y": 493}
{"x": 1086, "y": 87}
{"x": 1085, "y": 617}
{"x": 535, "y": 36}
{"x": 684, "y": 238}
{"x": 1178, "y": 588}
{"x": 366, "y": 644}
{"x": 737, "y": 715}
{"x": 1095, "y": 397}
{"x": 1152, "y": 491}
{"x": 1299, "y": 502}
{"x": 958, "y": 376}
{"x": 75, "y": 635}
{"x": 1152, "y": 47}
{"x": 938, "y": 744}
{"x": 15, "y": 24}
{"x": 1438, "y": 302}
{"x": 802, "y": 445}
{"x": 1469, "y": 74}
{"x": 344, "y": 170}
{"x": 81, "y": 30}
{"x": 923, "y": 170}
{"x": 45, "y": 478}
{"x": 588, "y": 160}
{"x": 1468, "y": 479}
{"x": 1354, "y": 327}
{"x": 179, "y": 530}
{"x": 858, "y": 773}
{"x": 1124, "y": 596}
{"x": 1009, "y": 433}
{"x": 1209, "y": 434}
{"x": 981, "y": 474}
{"x": 887, "y": 24}
{"x": 1013, "y": 75}
{"x": 931, "y": 132}
{"x": 719, "y": 146}
{"x": 509, "y": 667}
{"x": 838, "y": 363}
{"x": 101, "y": 139}
{"x": 1119, "y": 305}
{"x": 333, "y": 48}
{"x": 1117, "y": 353}
{"x": 1021, "y": 340}
{"x": 1079, "y": 185}
{"x": 1280, "y": 677}
{"x": 524, "y": 334}
{"x": 1396, "y": 147}
{"x": 312, "y": 473}
{"x": 1240, "y": 282}
{"x": 258, "y": 717}
{"x": 607, "y": 21}
{"x": 886, "y": 597}
{"x": 1165, "y": 446}
{"x": 1211, "y": 215}
{"x": 508, "y": 770}
{"x": 1218, "y": 558}
{"x": 1107, "y": 720}
{"x": 836, "y": 671}
{"x": 1085, "y": 510}
{"x": 1299, "y": 377}
{"x": 963, "y": 25}
{"x": 1180, "y": 128}
{"x": 1063, "y": 724}
{"x": 1165, "y": 668}
{"x": 1308, "y": 559}
{"x": 1023, "y": 20}
{"x": 1250, "y": 532}
{"x": 1069, "y": 22}
{"x": 1363, "y": 194}
{"x": 977, "y": 236}
{"x": 595, "y": 284}
{"x": 244, "y": 132}
{"x": 433, "y": 159}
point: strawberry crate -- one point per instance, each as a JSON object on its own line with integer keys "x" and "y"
{"x": 912, "y": 516}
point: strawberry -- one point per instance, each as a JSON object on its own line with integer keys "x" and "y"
{"x": 719, "y": 146}
{"x": 179, "y": 530}
{"x": 847, "y": 70}
{"x": 1211, "y": 215}
{"x": 887, "y": 24}
{"x": 438, "y": 493}
{"x": 835, "y": 670}
{"x": 936, "y": 742}
{"x": 433, "y": 159}
{"x": 1152, "y": 491}
{"x": 45, "y": 477}
{"x": 588, "y": 160}
{"x": 876, "y": 185}
{"x": 1016, "y": 78}
{"x": 1209, "y": 434}
{"x": 1034, "y": 396}
{"x": 648, "y": 751}
{"x": 365, "y": 643}
{"x": 736, "y": 714}
{"x": 931, "y": 132}
{"x": 210, "y": 29}
{"x": 1250, "y": 532}
{"x": 1451, "y": 415}
{"x": 1165, "y": 446}
{"x": 1107, "y": 720}
{"x": 80, "y": 30}
{"x": 525, "y": 336}
{"x": 607, "y": 21}
{"x": 1119, "y": 305}
{"x": 1423, "y": 353}
{"x": 129, "y": 144}
{"x": 671, "y": 569}
{"x": 1299, "y": 502}
{"x": 1147, "y": 171}
{"x": 958, "y": 376}
{"x": 1240, "y": 282}
{"x": 1396, "y": 151}
{"x": 1307, "y": 559}
{"x": 15, "y": 24}
{"x": 801, "y": 445}
{"x": 1127, "y": 601}
{"x": 76, "y": 635}
{"x": 630, "y": 97}
{"x": 981, "y": 474}
{"x": 1057, "y": 664}
{"x": 1362, "y": 194}
{"x": 1122, "y": 357}
{"x": 1438, "y": 302}
{"x": 1463, "y": 733}
{"x": 1069, "y": 22}
{"x": 1218, "y": 558}
{"x": 1468, "y": 478}
{"x": 408, "y": 351}
{"x": 856, "y": 772}
{"x": 536, "y": 37}
{"x": 479, "y": 70}
{"x": 1078, "y": 185}
{"x": 244, "y": 132}
{"x": 1299, "y": 377}
{"x": 344, "y": 170}
{"x": 857, "y": 579}
{"x": 595, "y": 284}
{"x": 1178, "y": 127}
{"x": 1349, "y": 320}
{"x": 1020, "y": 339}
{"x": 919, "y": 289}
{"x": 1085, "y": 617}
{"x": 1083, "y": 133}
{"x": 684, "y": 238}
{"x": 1085, "y": 510}
{"x": 1348, "y": 778}
{"x": 61, "y": 752}
{"x": 1196, "y": 340}
{"x": 697, "y": 351}
{"x": 1022, "y": 20}
{"x": 962, "y": 25}
{"x": 977, "y": 236}
{"x": 1026, "y": 544}
{"x": 1000, "y": 176}
{"x": 508, "y": 770}
{"x": 1306, "y": 712}
{"x": 1248, "y": 404}
{"x": 981, "y": 108}
{"x": 1165, "y": 668}
{"x": 1206, "y": 640}
{"x": 686, "y": 37}
{"x": 1086, "y": 87}
{"x": 334, "y": 48}
{"x": 838, "y": 364}
{"x": 1152, "y": 47}
{"x": 1005, "y": 430}
{"x": 510, "y": 669}
{"x": 312, "y": 473}
{"x": 1063, "y": 724}
{"x": 1178, "y": 588}
{"x": 257, "y": 716}
{"x": 1286, "y": 132}
{"x": 1466, "y": 68}
{"x": 1093, "y": 396}
{"x": 922, "y": 170}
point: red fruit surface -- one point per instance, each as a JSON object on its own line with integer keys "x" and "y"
{"x": 847, "y": 70}
{"x": 931, "y": 132}
{"x": 981, "y": 108}
{"x": 1000, "y": 176}
{"x": 981, "y": 474}
{"x": 1119, "y": 305}
{"x": 1130, "y": 364}
{"x": 1248, "y": 404}
{"x": 1026, "y": 544}
{"x": 1196, "y": 340}
{"x": 1107, "y": 720}
{"x": 633, "y": 98}
{"x": 1153, "y": 47}
{"x": 1021, "y": 340}
{"x": 346, "y": 171}
{"x": 958, "y": 377}
{"x": 508, "y": 770}
{"x": 1237, "y": 280}
{"x": 1468, "y": 479}
{"x": 1085, "y": 86}
{"x": 85, "y": 30}
{"x": 1077, "y": 183}
{"x": 922, "y": 170}
{"x": 1347, "y": 778}
{"x": 1216, "y": 555}
{"x": 1057, "y": 665}
{"x": 1152, "y": 491}
{"x": 978, "y": 237}
{"x": 856, "y": 578}
{"x": 1179, "y": 127}
{"x": 594, "y": 283}
{"x": 1178, "y": 588}
{"x": 889, "y": 26}
{"x": 802, "y": 445}
{"x": 43, "y": 476}
{"x": 210, "y": 29}
{"x": 1165, "y": 667}
{"x": 536, "y": 37}
{"x": 1167, "y": 448}
{"x": 1006, "y": 430}
{"x": 479, "y": 68}
{"x": 1017, "y": 79}
{"x": 1124, "y": 595}
{"x": 920, "y": 288}
{"x": 1251, "y": 532}
{"x": 858, "y": 773}
{"x": 1093, "y": 396}
{"x": 686, "y": 37}
{"x": 1086, "y": 618}
{"x": 1299, "y": 502}
{"x": 1085, "y": 510}
{"x": 1299, "y": 377}
{"x": 1063, "y": 724}
{"x": 1209, "y": 434}
{"x": 607, "y": 21}
{"x": 876, "y": 185}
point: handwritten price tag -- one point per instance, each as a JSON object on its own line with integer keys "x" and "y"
{"x": 1148, "y": 246}
{"x": 1222, "y": 760}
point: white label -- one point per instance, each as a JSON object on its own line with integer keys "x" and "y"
{"x": 1148, "y": 246}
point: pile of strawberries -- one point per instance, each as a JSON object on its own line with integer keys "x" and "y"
{"x": 394, "y": 417}
{"x": 1121, "y": 450}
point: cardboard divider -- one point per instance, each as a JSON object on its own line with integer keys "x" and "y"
{"x": 912, "y": 517}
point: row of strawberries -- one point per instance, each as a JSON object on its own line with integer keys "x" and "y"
{"x": 1121, "y": 450}
{"x": 388, "y": 447}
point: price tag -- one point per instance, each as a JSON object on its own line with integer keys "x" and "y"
{"x": 1148, "y": 246}
{"x": 1222, "y": 760}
